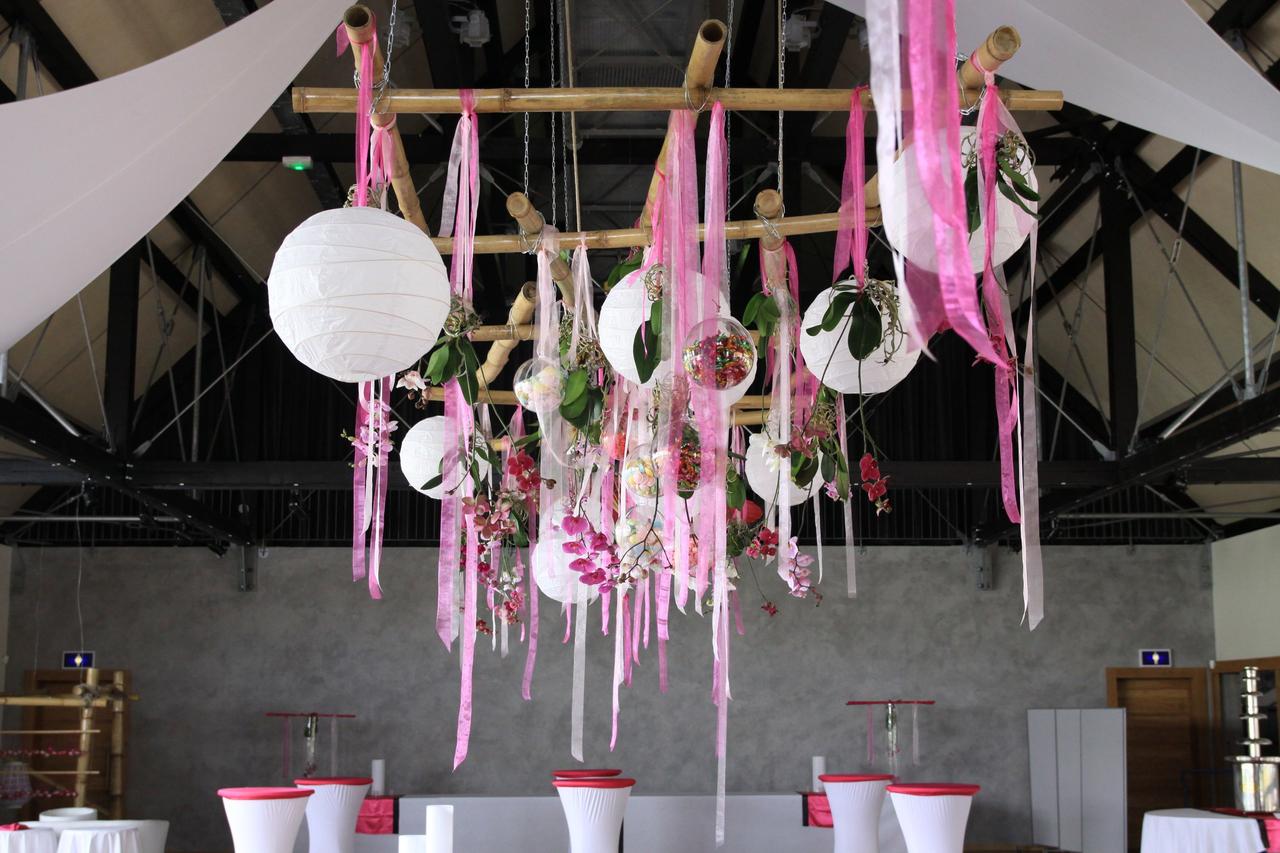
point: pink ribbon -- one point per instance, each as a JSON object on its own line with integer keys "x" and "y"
{"x": 382, "y": 156}
{"x": 931, "y": 42}
{"x": 851, "y": 239}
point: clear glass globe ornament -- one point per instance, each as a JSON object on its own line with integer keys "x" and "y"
{"x": 638, "y": 538}
{"x": 539, "y": 385}
{"x": 641, "y": 476}
{"x": 718, "y": 354}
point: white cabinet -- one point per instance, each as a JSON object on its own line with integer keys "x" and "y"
{"x": 1078, "y": 779}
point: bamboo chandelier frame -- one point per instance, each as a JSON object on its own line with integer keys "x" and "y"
{"x": 771, "y": 226}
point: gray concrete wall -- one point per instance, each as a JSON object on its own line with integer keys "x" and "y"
{"x": 209, "y": 660}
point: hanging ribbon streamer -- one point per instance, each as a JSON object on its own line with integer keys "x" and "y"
{"x": 851, "y": 239}
{"x": 935, "y": 133}
{"x": 1032, "y": 559}
{"x": 871, "y": 737}
{"x": 915, "y": 734}
{"x": 846, "y": 510}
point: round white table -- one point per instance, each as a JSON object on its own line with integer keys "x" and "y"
{"x": 28, "y": 841}
{"x": 118, "y": 840}
{"x": 1195, "y": 831}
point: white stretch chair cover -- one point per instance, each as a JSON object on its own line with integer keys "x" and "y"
{"x": 933, "y": 817}
{"x": 152, "y": 834}
{"x": 29, "y": 841}
{"x": 98, "y": 841}
{"x": 332, "y": 811}
{"x": 594, "y": 809}
{"x": 856, "y": 802}
{"x": 266, "y": 825}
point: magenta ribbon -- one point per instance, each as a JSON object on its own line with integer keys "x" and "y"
{"x": 382, "y": 156}
{"x": 851, "y": 239}
{"x": 1006, "y": 389}
{"x": 931, "y": 48}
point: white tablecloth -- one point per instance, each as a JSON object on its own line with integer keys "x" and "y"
{"x": 152, "y": 834}
{"x": 117, "y": 840}
{"x": 1195, "y": 831}
{"x": 29, "y": 841}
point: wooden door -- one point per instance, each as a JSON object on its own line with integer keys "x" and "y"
{"x": 66, "y": 720}
{"x": 1167, "y": 729}
{"x": 1228, "y": 728}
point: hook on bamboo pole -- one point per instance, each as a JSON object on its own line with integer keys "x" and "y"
{"x": 531, "y": 223}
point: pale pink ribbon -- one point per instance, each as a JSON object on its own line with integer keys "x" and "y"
{"x": 382, "y": 156}
{"x": 931, "y": 42}
{"x": 851, "y": 239}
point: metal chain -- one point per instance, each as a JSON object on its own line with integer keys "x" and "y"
{"x": 782, "y": 77}
{"x": 564, "y": 118}
{"x": 527, "y": 18}
{"x": 386, "y": 57}
{"x": 551, "y": 7}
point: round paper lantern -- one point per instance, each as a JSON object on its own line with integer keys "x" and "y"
{"x": 827, "y": 355}
{"x": 908, "y": 218}
{"x": 621, "y": 314}
{"x": 768, "y": 483}
{"x": 357, "y": 293}
{"x": 552, "y": 574}
{"x": 421, "y": 453}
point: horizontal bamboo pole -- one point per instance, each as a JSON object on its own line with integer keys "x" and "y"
{"x": 359, "y": 24}
{"x": 312, "y": 99}
{"x": 623, "y": 238}
{"x": 749, "y": 404}
{"x": 46, "y": 731}
{"x": 52, "y": 702}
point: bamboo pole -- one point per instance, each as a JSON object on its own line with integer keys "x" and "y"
{"x": 86, "y": 739}
{"x": 621, "y": 238}
{"x": 699, "y": 74}
{"x": 531, "y": 223}
{"x": 311, "y": 99}
{"x": 769, "y": 207}
{"x": 508, "y": 398}
{"x": 51, "y": 702}
{"x": 359, "y": 24}
{"x": 116, "y": 764}
{"x": 500, "y": 351}
{"x": 997, "y": 49}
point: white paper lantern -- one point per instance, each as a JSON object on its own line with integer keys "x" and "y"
{"x": 908, "y": 218}
{"x": 357, "y": 293}
{"x": 621, "y": 314}
{"x": 768, "y": 484}
{"x": 552, "y": 574}
{"x": 827, "y": 355}
{"x": 421, "y": 452}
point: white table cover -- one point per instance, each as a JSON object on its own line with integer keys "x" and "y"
{"x": 855, "y": 814}
{"x": 264, "y": 826}
{"x": 29, "y": 841}
{"x": 331, "y": 816}
{"x": 152, "y": 834}
{"x": 595, "y": 817}
{"x": 933, "y": 824}
{"x": 98, "y": 841}
{"x": 1195, "y": 831}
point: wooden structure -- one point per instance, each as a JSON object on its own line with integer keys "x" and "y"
{"x": 89, "y": 710}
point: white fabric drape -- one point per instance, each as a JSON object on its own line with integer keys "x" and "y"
{"x": 594, "y": 816}
{"x": 855, "y": 814}
{"x": 1195, "y": 831}
{"x": 1150, "y": 63}
{"x": 332, "y": 811}
{"x": 91, "y": 170}
{"x": 265, "y": 826}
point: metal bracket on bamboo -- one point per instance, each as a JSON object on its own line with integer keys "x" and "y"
{"x": 769, "y": 208}
{"x": 359, "y": 24}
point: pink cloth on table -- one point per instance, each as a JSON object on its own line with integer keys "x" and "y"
{"x": 377, "y": 816}
{"x": 13, "y": 827}
{"x": 1272, "y": 826}
{"x": 819, "y": 810}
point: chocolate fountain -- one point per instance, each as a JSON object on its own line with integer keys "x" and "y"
{"x": 1255, "y": 773}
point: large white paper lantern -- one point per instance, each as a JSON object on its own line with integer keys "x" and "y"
{"x": 767, "y": 483}
{"x": 827, "y": 355}
{"x": 357, "y": 293}
{"x": 908, "y": 218}
{"x": 421, "y": 452}
{"x": 621, "y": 314}
{"x": 552, "y": 574}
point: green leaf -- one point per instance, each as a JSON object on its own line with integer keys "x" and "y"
{"x": 436, "y": 365}
{"x": 828, "y": 468}
{"x": 1021, "y": 185}
{"x": 574, "y": 387}
{"x": 470, "y": 386}
{"x": 836, "y": 310}
{"x": 573, "y": 410}
{"x": 454, "y": 363}
{"x": 622, "y": 269}
{"x": 1008, "y": 192}
{"x": 528, "y": 439}
{"x": 645, "y": 353}
{"x": 655, "y": 320}
{"x": 735, "y": 490}
{"x": 971, "y": 199}
{"x": 520, "y": 539}
{"x": 469, "y": 358}
{"x": 753, "y": 305}
{"x": 866, "y": 328}
{"x": 434, "y": 482}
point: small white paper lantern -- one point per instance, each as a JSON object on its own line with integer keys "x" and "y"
{"x": 552, "y": 574}
{"x": 908, "y": 219}
{"x": 827, "y": 355}
{"x": 421, "y": 452}
{"x": 768, "y": 484}
{"x": 357, "y": 293}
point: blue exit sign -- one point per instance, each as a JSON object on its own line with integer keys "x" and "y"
{"x": 1157, "y": 657}
{"x": 77, "y": 660}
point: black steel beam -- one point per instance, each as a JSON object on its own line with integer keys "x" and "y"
{"x": 53, "y": 48}
{"x": 1180, "y": 451}
{"x": 91, "y": 464}
{"x": 336, "y": 475}
{"x": 820, "y": 63}
{"x": 1239, "y": 15}
{"x": 1122, "y": 349}
{"x": 122, "y": 347}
